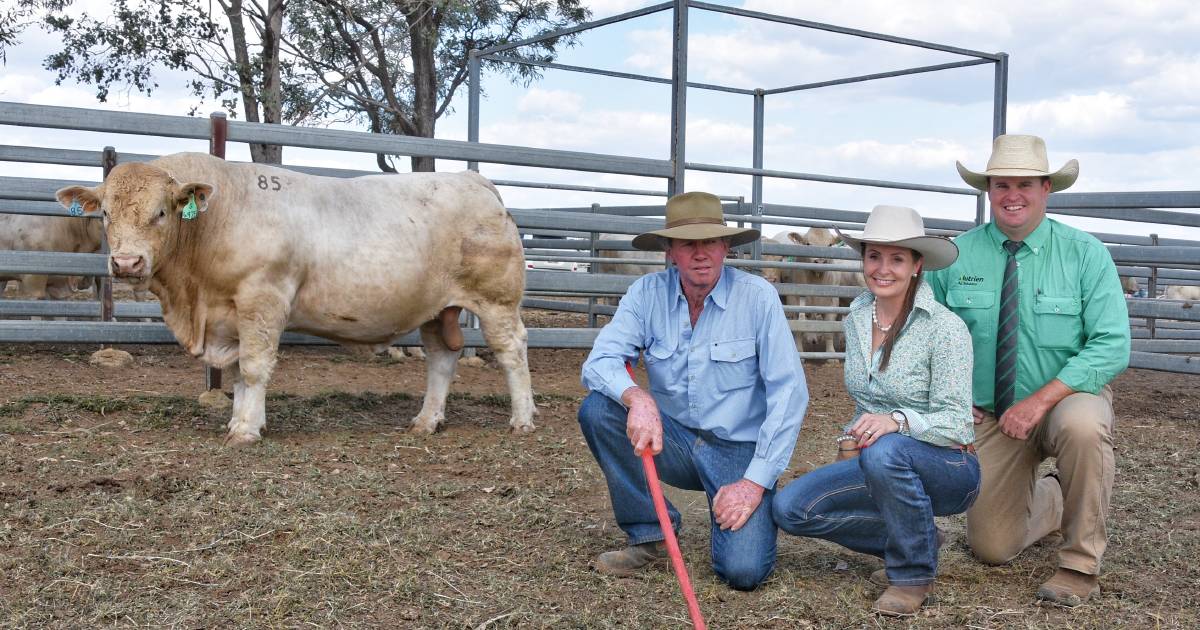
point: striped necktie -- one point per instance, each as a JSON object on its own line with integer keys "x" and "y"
{"x": 1006, "y": 332}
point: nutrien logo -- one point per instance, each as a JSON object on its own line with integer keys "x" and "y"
{"x": 970, "y": 281}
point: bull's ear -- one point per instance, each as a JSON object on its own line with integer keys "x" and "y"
{"x": 796, "y": 238}
{"x": 79, "y": 199}
{"x": 200, "y": 193}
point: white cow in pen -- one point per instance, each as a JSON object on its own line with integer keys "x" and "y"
{"x": 238, "y": 253}
{"x": 23, "y": 232}
{"x": 818, "y": 237}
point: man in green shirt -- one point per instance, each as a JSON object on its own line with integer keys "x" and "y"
{"x": 1050, "y": 330}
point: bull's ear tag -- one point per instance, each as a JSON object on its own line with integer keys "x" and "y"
{"x": 189, "y": 211}
{"x": 75, "y": 210}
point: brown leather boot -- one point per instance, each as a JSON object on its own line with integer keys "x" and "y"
{"x": 1069, "y": 588}
{"x": 879, "y": 576}
{"x": 627, "y": 561}
{"x": 902, "y": 601}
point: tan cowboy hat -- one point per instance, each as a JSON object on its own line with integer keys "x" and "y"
{"x": 903, "y": 227}
{"x": 694, "y": 216}
{"x": 1020, "y": 156}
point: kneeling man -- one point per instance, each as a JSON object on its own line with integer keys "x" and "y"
{"x": 727, "y": 395}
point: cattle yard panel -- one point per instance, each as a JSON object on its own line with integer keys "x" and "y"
{"x": 31, "y": 196}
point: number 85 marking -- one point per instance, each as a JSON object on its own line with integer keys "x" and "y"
{"x": 271, "y": 184}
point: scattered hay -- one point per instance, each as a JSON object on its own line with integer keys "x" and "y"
{"x": 111, "y": 358}
{"x": 215, "y": 399}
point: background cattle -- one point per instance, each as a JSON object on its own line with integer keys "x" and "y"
{"x": 654, "y": 261}
{"x": 818, "y": 237}
{"x": 23, "y": 232}
{"x": 237, "y": 253}
{"x": 1180, "y": 292}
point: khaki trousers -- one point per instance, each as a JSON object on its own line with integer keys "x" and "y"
{"x": 1016, "y": 509}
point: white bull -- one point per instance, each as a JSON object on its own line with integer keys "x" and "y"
{"x": 237, "y": 253}
{"x": 818, "y": 237}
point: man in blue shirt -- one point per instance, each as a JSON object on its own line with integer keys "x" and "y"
{"x": 727, "y": 395}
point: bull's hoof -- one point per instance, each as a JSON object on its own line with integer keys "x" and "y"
{"x": 214, "y": 399}
{"x": 424, "y": 427}
{"x": 111, "y": 358}
{"x": 396, "y": 354}
{"x": 522, "y": 429}
{"x": 236, "y": 440}
{"x": 474, "y": 362}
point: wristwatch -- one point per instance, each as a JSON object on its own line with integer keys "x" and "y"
{"x": 901, "y": 420}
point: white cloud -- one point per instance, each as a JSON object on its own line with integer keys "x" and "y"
{"x": 553, "y": 103}
{"x": 922, "y": 153}
{"x": 1093, "y": 115}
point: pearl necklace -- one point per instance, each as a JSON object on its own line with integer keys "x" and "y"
{"x": 875, "y": 318}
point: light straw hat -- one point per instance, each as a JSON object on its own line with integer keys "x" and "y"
{"x": 902, "y": 227}
{"x": 694, "y": 216}
{"x": 1020, "y": 156}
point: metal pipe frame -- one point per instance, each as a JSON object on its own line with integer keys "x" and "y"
{"x": 579, "y": 28}
{"x": 879, "y": 75}
{"x": 829, "y": 179}
{"x": 717, "y": 8}
{"x": 617, "y": 74}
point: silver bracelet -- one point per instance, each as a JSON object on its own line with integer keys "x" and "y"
{"x": 843, "y": 438}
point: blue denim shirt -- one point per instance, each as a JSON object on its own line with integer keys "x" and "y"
{"x": 736, "y": 374}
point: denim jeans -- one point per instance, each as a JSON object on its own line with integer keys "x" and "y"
{"x": 883, "y": 503}
{"x": 691, "y": 460}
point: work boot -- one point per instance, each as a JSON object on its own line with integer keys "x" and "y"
{"x": 879, "y": 576}
{"x": 627, "y": 561}
{"x": 1069, "y": 588}
{"x": 902, "y": 601}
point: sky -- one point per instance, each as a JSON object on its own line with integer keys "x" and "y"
{"x": 1114, "y": 84}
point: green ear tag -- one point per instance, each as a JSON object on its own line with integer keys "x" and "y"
{"x": 190, "y": 210}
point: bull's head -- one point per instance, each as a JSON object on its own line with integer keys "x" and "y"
{"x": 143, "y": 208}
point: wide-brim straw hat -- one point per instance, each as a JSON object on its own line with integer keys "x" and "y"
{"x": 902, "y": 227}
{"x": 694, "y": 216}
{"x": 1020, "y": 156}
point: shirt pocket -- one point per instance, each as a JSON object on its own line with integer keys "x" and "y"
{"x": 1056, "y": 321}
{"x": 734, "y": 362}
{"x": 977, "y": 310}
{"x": 658, "y": 366}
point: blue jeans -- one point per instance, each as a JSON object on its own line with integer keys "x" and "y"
{"x": 883, "y": 503}
{"x": 692, "y": 460}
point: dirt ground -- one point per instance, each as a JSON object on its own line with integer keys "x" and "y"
{"x": 121, "y": 509}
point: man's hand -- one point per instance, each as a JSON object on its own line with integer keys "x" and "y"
{"x": 978, "y": 414}
{"x": 735, "y": 503}
{"x": 643, "y": 424}
{"x": 1022, "y": 418}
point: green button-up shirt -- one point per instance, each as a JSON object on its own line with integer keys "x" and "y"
{"x": 1074, "y": 324}
{"x": 928, "y": 377}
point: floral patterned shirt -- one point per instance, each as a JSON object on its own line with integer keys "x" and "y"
{"x": 928, "y": 378}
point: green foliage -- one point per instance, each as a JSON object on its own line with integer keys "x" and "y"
{"x": 391, "y": 65}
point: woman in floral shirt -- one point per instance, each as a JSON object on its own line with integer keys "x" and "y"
{"x": 907, "y": 455}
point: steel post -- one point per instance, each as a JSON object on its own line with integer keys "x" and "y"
{"x": 108, "y": 161}
{"x": 218, "y": 132}
{"x": 756, "y": 180}
{"x": 1000, "y": 94}
{"x": 679, "y": 98}
{"x": 473, "y": 88}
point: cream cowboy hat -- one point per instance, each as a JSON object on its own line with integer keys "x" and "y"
{"x": 1020, "y": 156}
{"x": 694, "y": 216}
{"x": 903, "y": 227}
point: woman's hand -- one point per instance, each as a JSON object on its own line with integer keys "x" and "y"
{"x": 870, "y": 426}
